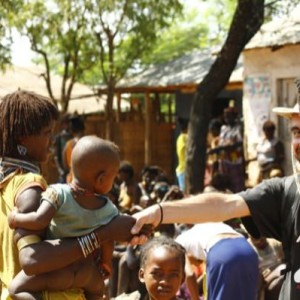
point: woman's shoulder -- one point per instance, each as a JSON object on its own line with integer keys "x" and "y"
{"x": 22, "y": 182}
{"x": 30, "y": 179}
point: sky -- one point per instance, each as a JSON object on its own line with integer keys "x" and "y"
{"x": 21, "y": 53}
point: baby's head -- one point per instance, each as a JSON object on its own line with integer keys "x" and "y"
{"x": 162, "y": 267}
{"x": 95, "y": 164}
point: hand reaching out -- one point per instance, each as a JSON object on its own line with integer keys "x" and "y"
{"x": 147, "y": 218}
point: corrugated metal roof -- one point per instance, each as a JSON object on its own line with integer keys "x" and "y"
{"x": 188, "y": 69}
{"x": 278, "y": 32}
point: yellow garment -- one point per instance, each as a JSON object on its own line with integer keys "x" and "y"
{"x": 126, "y": 201}
{"x": 205, "y": 295}
{"x": 75, "y": 294}
{"x": 9, "y": 260}
{"x": 67, "y": 157}
{"x": 181, "y": 151}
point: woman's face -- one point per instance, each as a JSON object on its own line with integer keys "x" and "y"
{"x": 163, "y": 274}
{"x": 38, "y": 145}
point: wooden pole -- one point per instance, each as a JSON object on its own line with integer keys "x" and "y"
{"x": 118, "y": 107}
{"x": 148, "y": 110}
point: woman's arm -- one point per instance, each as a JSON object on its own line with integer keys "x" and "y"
{"x": 50, "y": 255}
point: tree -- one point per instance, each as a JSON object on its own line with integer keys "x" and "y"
{"x": 247, "y": 19}
{"x": 58, "y": 33}
{"x": 75, "y": 36}
{"x": 199, "y": 28}
{"x": 125, "y": 30}
{"x": 8, "y": 8}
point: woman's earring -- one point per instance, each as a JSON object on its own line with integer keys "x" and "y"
{"x": 22, "y": 150}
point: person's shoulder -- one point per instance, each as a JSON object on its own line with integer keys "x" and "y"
{"x": 60, "y": 188}
{"x": 278, "y": 180}
{"x": 57, "y": 194}
{"x": 270, "y": 186}
{"x": 29, "y": 179}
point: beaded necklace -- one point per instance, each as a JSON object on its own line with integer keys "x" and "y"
{"x": 9, "y": 167}
{"x": 81, "y": 191}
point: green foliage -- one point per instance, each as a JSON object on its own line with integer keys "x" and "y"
{"x": 105, "y": 37}
{"x": 279, "y": 8}
{"x": 58, "y": 32}
{"x": 203, "y": 27}
{"x": 8, "y": 8}
{"x": 128, "y": 29}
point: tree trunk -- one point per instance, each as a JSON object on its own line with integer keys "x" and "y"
{"x": 109, "y": 111}
{"x": 247, "y": 20}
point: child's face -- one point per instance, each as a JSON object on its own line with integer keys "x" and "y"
{"x": 163, "y": 274}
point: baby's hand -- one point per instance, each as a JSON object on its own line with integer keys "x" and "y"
{"x": 11, "y": 218}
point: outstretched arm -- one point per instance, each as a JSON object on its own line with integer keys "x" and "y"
{"x": 208, "y": 207}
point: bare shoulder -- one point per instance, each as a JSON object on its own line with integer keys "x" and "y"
{"x": 29, "y": 199}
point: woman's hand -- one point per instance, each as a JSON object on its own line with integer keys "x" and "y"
{"x": 11, "y": 218}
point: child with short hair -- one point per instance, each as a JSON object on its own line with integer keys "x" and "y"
{"x": 162, "y": 268}
{"x": 71, "y": 210}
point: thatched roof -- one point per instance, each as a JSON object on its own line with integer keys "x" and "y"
{"x": 278, "y": 32}
{"x": 83, "y": 100}
{"x": 186, "y": 71}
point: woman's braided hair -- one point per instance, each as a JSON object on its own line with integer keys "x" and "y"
{"x": 23, "y": 113}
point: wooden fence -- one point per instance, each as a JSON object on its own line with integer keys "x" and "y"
{"x": 130, "y": 137}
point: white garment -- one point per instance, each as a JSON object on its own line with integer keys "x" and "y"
{"x": 196, "y": 239}
{"x": 266, "y": 151}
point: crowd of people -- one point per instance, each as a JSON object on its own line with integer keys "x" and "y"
{"x": 69, "y": 240}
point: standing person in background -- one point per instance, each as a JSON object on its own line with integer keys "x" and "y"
{"x": 130, "y": 192}
{"x": 77, "y": 130}
{"x": 27, "y": 122}
{"x": 181, "y": 152}
{"x": 270, "y": 152}
{"x": 60, "y": 141}
{"x": 230, "y": 149}
{"x": 231, "y": 263}
{"x": 213, "y": 140}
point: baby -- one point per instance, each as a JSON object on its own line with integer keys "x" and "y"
{"x": 71, "y": 210}
{"x": 162, "y": 268}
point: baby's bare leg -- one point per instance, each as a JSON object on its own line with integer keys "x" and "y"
{"x": 83, "y": 274}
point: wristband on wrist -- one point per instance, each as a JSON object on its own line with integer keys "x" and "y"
{"x": 161, "y": 214}
{"x": 27, "y": 240}
{"x": 88, "y": 243}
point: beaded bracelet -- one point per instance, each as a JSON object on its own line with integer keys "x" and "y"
{"x": 88, "y": 243}
{"x": 161, "y": 214}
